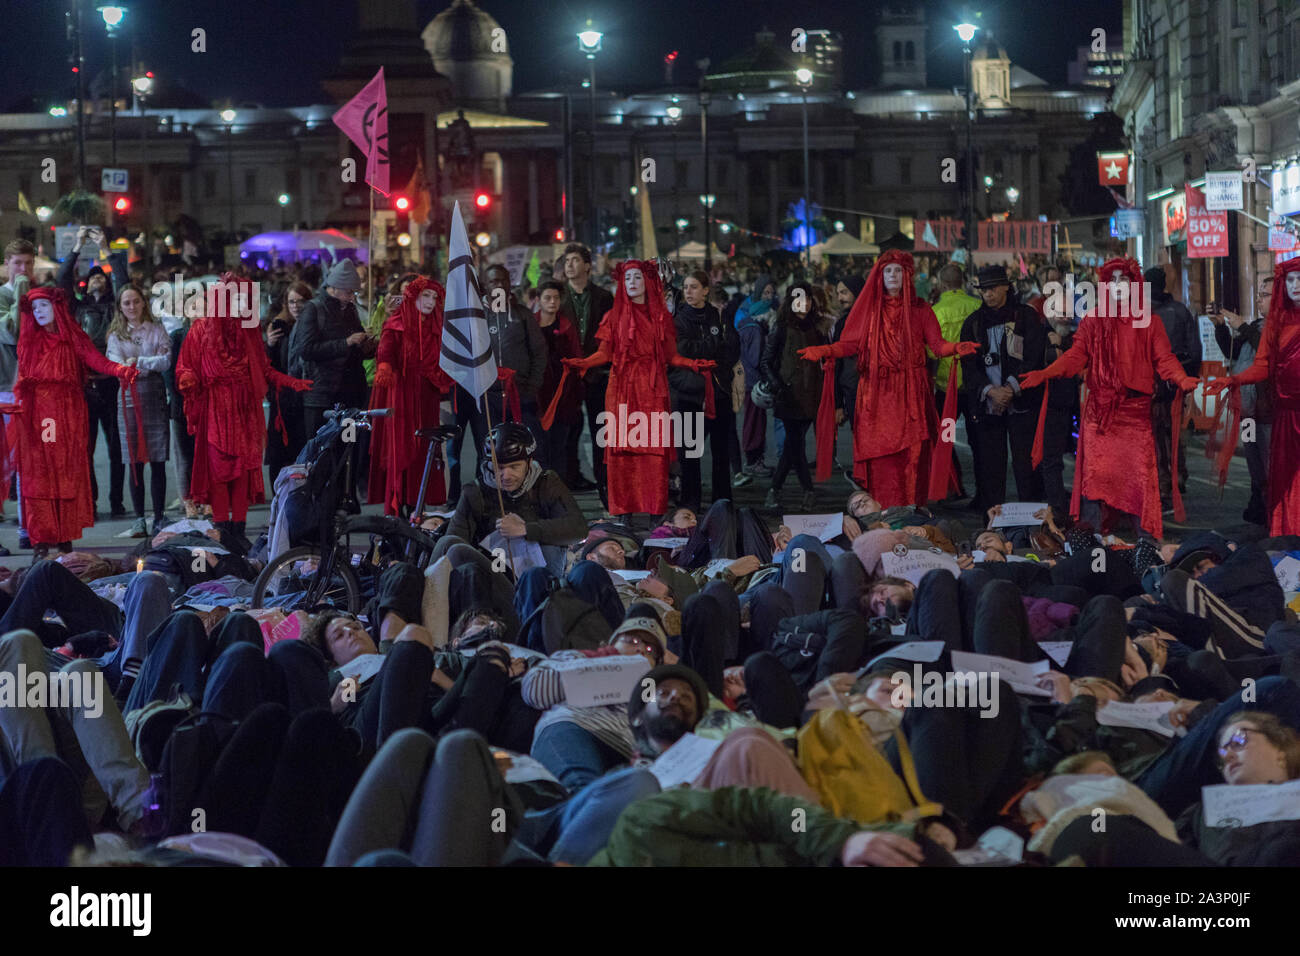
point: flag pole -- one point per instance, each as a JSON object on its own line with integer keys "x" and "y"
{"x": 492, "y": 450}
{"x": 370, "y": 252}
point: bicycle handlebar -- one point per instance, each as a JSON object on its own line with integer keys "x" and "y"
{"x": 356, "y": 413}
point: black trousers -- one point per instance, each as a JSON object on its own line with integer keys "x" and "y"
{"x": 1058, "y": 441}
{"x": 595, "y": 404}
{"x": 794, "y": 454}
{"x": 101, "y": 403}
{"x": 41, "y": 819}
{"x": 719, "y": 432}
{"x": 1162, "y": 426}
{"x": 993, "y": 434}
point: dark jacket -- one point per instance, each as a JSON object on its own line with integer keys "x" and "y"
{"x": 1247, "y": 584}
{"x": 601, "y": 301}
{"x": 701, "y": 334}
{"x": 318, "y": 350}
{"x": 1028, "y": 327}
{"x": 547, "y": 508}
{"x": 174, "y": 399}
{"x": 846, "y": 371}
{"x": 284, "y": 402}
{"x": 1184, "y": 333}
{"x": 1275, "y": 843}
{"x": 796, "y": 382}
{"x": 518, "y": 344}
{"x": 94, "y": 315}
{"x": 561, "y": 343}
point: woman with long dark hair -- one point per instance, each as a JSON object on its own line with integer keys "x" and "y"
{"x": 796, "y": 384}
{"x": 283, "y": 445}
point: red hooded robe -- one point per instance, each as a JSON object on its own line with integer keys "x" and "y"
{"x": 408, "y": 382}
{"x": 1278, "y": 362}
{"x": 50, "y": 432}
{"x": 223, "y": 372}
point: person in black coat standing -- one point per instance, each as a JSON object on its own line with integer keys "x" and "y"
{"x": 1013, "y": 340}
{"x": 701, "y": 334}
{"x": 797, "y": 385}
{"x": 327, "y": 345}
{"x": 1185, "y": 342}
{"x": 585, "y": 304}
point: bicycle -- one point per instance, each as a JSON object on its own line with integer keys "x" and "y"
{"x": 338, "y": 570}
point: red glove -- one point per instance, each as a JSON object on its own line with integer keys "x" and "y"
{"x": 505, "y": 374}
{"x": 703, "y": 365}
{"x": 815, "y": 353}
{"x": 968, "y": 348}
{"x": 187, "y": 381}
{"x": 127, "y": 373}
{"x": 384, "y": 376}
{"x": 1188, "y": 384}
{"x": 301, "y": 384}
{"x": 1220, "y": 385}
{"x": 1028, "y": 379}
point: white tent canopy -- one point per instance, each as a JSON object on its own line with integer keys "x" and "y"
{"x": 695, "y": 250}
{"x": 304, "y": 242}
{"x": 843, "y": 244}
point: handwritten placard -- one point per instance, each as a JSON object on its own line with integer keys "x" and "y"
{"x": 598, "y": 681}
{"x": 1288, "y": 573}
{"x": 1018, "y": 514}
{"x": 916, "y": 563}
{"x": 821, "y": 527}
{"x": 363, "y": 667}
{"x": 1248, "y": 804}
{"x": 1058, "y": 651}
{"x": 1153, "y": 716}
{"x": 518, "y": 553}
{"x": 666, "y": 542}
{"x": 1022, "y": 677}
{"x": 922, "y": 652}
{"x": 684, "y": 761}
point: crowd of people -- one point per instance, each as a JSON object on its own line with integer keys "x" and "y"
{"x": 679, "y": 677}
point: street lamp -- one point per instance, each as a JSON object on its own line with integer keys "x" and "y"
{"x": 113, "y": 16}
{"x": 674, "y": 116}
{"x": 589, "y": 45}
{"x": 804, "y": 77}
{"x": 43, "y": 213}
{"x": 966, "y": 31}
{"x": 228, "y": 117}
{"x": 1012, "y": 195}
{"x": 58, "y": 112}
{"x": 704, "y": 140}
{"x": 284, "y": 199}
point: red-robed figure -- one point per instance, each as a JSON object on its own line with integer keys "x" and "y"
{"x": 895, "y": 426}
{"x": 409, "y": 382}
{"x": 50, "y": 429}
{"x": 223, "y": 372}
{"x": 1278, "y": 363}
{"x": 1122, "y": 349}
{"x": 638, "y": 337}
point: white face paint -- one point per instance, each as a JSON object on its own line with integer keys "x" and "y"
{"x": 425, "y": 301}
{"x": 634, "y": 283}
{"x": 1119, "y": 284}
{"x": 43, "y": 310}
{"x": 1293, "y": 287}
{"x": 893, "y": 279}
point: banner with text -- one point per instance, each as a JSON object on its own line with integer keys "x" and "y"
{"x": 1207, "y": 232}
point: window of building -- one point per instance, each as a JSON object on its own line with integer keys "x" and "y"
{"x": 794, "y": 174}
{"x": 1174, "y": 82}
{"x": 868, "y": 173}
{"x": 680, "y": 171}
{"x": 250, "y": 184}
{"x": 909, "y": 52}
{"x": 898, "y": 51}
{"x": 172, "y": 188}
{"x": 723, "y": 170}
{"x": 905, "y": 170}
{"x": 209, "y": 184}
{"x": 292, "y": 181}
{"x": 1243, "y": 72}
{"x": 607, "y": 174}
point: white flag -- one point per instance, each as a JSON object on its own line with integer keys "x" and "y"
{"x": 466, "y": 346}
{"x": 928, "y": 236}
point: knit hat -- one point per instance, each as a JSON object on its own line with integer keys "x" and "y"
{"x": 343, "y": 275}
{"x": 1207, "y": 544}
{"x": 680, "y": 584}
{"x": 95, "y": 271}
{"x": 658, "y": 675}
{"x": 643, "y": 624}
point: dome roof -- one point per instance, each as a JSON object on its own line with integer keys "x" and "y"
{"x": 465, "y": 32}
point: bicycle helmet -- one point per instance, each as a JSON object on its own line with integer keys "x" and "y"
{"x": 514, "y": 442}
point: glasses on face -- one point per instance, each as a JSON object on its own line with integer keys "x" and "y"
{"x": 1237, "y": 742}
{"x": 633, "y": 641}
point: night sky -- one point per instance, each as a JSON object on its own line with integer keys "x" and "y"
{"x": 274, "y": 52}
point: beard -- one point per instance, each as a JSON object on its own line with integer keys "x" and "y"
{"x": 668, "y": 728}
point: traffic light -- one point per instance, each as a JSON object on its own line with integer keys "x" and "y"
{"x": 482, "y": 202}
{"x": 559, "y": 235}
{"x": 402, "y": 210}
{"x": 121, "y": 209}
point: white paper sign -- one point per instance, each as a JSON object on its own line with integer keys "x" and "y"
{"x": 1288, "y": 573}
{"x": 632, "y": 575}
{"x": 1248, "y": 804}
{"x": 715, "y": 567}
{"x": 666, "y": 542}
{"x": 598, "y": 681}
{"x": 1223, "y": 191}
{"x": 363, "y": 667}
{"x": 1058, "y": 651}
{"x": 917, "y": 563}
{"x": 1152, "y": 716}
{"x": 189, "y": 524}
{"x": 518, "y": 553}
{"x": 1018, "y": 514}
{"x": 821, "y": 527}
{"x": 684, "y": 760}
{"x": 922, "y": 652}
{"x": 1210, "y": 351}
{"x": 1021, "y": 676}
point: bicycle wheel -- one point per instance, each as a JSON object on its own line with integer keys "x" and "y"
{"x": 294, "y": 573}
{"x": 392, "y": 539}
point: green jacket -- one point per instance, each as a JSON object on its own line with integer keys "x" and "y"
{"x": 951, "y": 310}
{"x": 731, "y": 826}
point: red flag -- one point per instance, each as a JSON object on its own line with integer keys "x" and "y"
{"x": 364, "y": 120}
{"x": 1112, "y": 169}
{"x": 1024, "y": 269}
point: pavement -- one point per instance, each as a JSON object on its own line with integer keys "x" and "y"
{"x": 1206, "y": 507}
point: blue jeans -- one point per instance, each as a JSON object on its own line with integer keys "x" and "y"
{"x": 808, "y": 585}
{"x": 574, "y": 755}
{"x": 589, "y": 817}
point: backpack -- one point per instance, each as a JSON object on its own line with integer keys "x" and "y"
{"x": 187, "y": 761}
{"x": 850, "y": 775}
{"x": 311, "y": 504}
{"x": 151, "y": 726}
{"x": 799, "y": 650}
{"x": 563, "y": 622}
